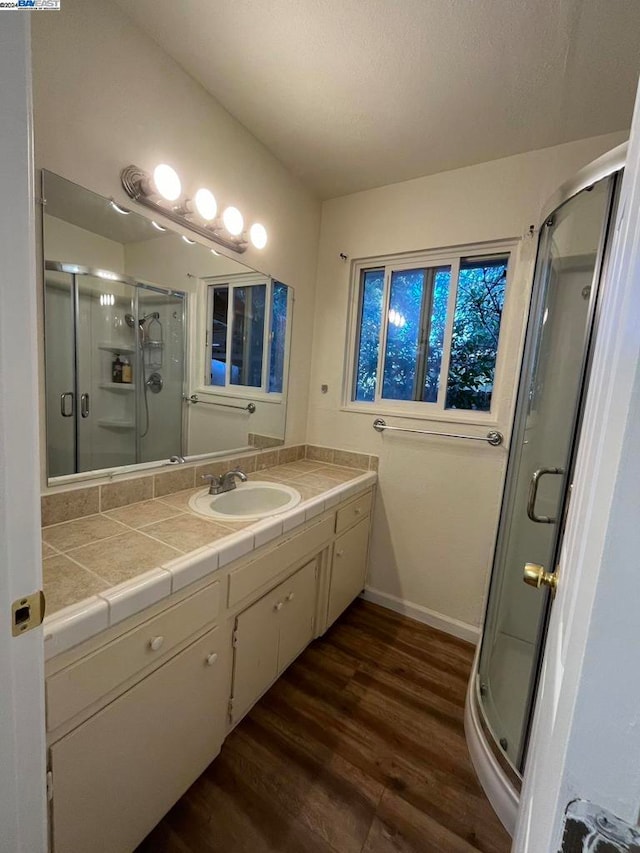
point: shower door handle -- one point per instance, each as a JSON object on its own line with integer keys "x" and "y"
{"x": 66, "y": 410}
{"x": 535, "y": 575}
{"x": 533, "y": 494}
{"x": 84, "y": 405}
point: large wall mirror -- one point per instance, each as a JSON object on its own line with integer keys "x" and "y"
{"x": 157, "y": 347}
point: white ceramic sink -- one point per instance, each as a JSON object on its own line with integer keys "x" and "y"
{"x": 253, "y": 499}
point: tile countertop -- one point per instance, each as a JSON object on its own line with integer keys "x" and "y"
{"x": 102, "y": 568}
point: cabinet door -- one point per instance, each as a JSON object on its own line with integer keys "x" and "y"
{"x": 349, "y": 568}
{"x": 116, "y": 775}
{"x": 255, "y": 656}
{"x": 298, "y": 597}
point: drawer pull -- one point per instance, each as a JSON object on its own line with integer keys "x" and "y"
{"x": 212, "y": 658}
{"x": 291, "y": 596}
{"x": 156, "y": 643}
{"x": 339, "y": 553}
{"x": 278, "y": 606}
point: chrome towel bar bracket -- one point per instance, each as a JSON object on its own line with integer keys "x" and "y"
{"x": 493, "y": 437}
{"x": 250, "y": 407}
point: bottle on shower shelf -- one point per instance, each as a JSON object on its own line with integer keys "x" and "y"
{"x": 116, "y": 370}
{"x": 127, "y": 372}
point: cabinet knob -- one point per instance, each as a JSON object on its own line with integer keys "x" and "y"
{"x": 212, "y": 658}
{"x": 339, "y": 553}
{"x": 278, "y": 606}
{"x": 291, "y": 596}
{"x": 155, "y": 643}
{"x": 358, "y": 510}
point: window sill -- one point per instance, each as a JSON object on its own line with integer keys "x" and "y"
{"x": 462, "y": 418}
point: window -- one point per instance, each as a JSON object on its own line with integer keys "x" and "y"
{"x": 428, "y": 331}
{"x": 246, "y": 334}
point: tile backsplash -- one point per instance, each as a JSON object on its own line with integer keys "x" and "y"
{"x": 68, "y": 503}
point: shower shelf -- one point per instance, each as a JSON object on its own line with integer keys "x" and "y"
{"x": 116, "y": 424}
{"x": 117, "y": 386}
{"x": 116, "y": 348}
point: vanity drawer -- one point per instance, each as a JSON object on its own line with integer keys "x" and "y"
{"x": 353, "y": 511}
{"x": 75, "y": 688}
{"x": 257, "y": 574}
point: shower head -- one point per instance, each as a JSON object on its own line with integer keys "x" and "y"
{"x": 130, "y": 320}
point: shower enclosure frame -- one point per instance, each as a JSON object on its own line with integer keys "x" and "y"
{"x": 109, "y": 277}
{"x": 499, "y": 778}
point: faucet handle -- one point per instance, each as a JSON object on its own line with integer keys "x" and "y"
{"x": 211, "y": 478}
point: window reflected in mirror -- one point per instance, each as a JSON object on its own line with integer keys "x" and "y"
{"x": 246, "y": 341}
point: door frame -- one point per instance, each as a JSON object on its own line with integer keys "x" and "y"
{"x": 585, "y": 740}
{"x": 22, "y": 723}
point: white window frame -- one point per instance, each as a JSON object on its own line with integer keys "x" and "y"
{"x": 419, "y": 410}
{"x": 248, "y": 392}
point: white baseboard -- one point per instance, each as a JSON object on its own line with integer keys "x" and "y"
{"x": 422, "y": 614}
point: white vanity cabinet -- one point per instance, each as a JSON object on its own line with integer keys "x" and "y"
{"x": 136, "y": 713}
{"x": 118, "y": 773}
{"x": 348, "y": 569}
{"x": 268, "y": 635}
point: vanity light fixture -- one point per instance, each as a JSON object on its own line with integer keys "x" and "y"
{"x": 162, "y": 190}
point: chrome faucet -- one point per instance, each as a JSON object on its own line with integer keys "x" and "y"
{"x": 224, "y": 482}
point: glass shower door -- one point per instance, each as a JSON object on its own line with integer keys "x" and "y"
{"x": 59, "y": 326}
{"x": 540, "y": 461}
{"x": 105, "y": 345}
{"x": 160, "y": 373}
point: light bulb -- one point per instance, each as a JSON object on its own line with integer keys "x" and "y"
{"x": 167, "y": 182}
{"x": 233, "y": 221}
{"x": 258, "y": 235}
{"x": 206, "y": 204}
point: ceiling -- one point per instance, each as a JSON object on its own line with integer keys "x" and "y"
{"x": 353, "y": 94}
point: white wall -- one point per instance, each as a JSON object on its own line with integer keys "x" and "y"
{"x": 138, "y": 106}
{"x": 439, "y": 499}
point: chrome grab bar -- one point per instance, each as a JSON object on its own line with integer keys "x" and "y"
{"x": 84, "y": 405}
{"x": 533, "y": 495}
{"x": 493, "y": 437}
{"x": 250, "y": 407}
{"x": 63, "y": 404}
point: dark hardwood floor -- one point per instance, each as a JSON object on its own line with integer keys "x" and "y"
{"x": 358, "y": 748}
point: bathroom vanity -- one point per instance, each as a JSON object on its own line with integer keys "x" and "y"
{"x": 136, "y": 712}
